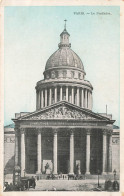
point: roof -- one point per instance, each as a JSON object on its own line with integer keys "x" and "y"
{"x": 64, "y": 32}
{"x": 10, "y": 126}
{"x": 116, "y": 127}
{"x": 64, "y": 57}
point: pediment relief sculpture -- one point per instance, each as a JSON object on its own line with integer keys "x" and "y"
{"x": 62, "y": 112}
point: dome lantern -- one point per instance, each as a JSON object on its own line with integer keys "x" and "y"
{"x": 64, "y": 38}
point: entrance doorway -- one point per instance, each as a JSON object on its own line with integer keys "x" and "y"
{"x": 63, "y": 163}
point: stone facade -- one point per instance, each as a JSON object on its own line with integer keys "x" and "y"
{"x": 63, "y": 141}
{"x": 9, "y": 148}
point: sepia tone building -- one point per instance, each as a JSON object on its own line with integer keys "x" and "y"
{"x": 63, "y": 133}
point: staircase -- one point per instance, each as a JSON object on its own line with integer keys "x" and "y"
{"x": 85, "y": 176}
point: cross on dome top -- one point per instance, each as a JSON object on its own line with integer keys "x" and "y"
{"x": 65, "y": 24}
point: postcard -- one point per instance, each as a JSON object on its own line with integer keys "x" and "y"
{"x": 61, "y": 97}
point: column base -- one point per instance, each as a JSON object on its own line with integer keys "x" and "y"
{"x": 111, "y": 173}
{"x": 55, "y": 173}
{"x": 38, "y": 172}
{"x": 71, "y": 173}
{"x": 104, "y": 173}
{"x": 87, "y": 173}
{"x": 23, "y": 174}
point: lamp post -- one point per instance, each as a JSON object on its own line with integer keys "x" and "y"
{"x": 98, "y": 172}
{"x": 114, "y": 172}
{"x": 4, "y": 175}
{"x": 16, "y": 175}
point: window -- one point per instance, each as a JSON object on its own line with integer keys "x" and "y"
{"x": 72, "y": 74}
{"x": 79, "y": 75}
{"x": 52, "y": 74}
{"x": 47, "y": 76}
{"x": 64, "y": 74}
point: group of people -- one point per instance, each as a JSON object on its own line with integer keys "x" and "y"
{"x": 12, "y": 187}
{"x": 111, "y": 186}
{"x": 22, "y": 185}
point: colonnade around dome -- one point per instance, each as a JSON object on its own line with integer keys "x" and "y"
{"x": 75, "y": 95}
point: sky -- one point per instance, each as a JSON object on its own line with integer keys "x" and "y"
{"x": 32, "y": 34}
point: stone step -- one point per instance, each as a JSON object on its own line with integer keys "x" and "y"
{"x": 85, "y": 176}
{"x": 103, "y": 176}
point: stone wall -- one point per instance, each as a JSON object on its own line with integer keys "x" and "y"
{"x": 116, "y": 151}
{"x": 9, "y": 149}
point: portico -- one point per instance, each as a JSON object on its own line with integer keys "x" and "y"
{"x": 64, "y": 142}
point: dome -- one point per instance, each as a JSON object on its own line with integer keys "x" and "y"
{"x": 64, "y": 57}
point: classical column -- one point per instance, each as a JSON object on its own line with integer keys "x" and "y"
{"x": 22, "y": 152}
{"x": 39, "y": 157}
{"x": 50, "y": 96}
{"x": 45, "y": 97}
{"x": 72, "y": 95}
{"x": 104, "y": 166}
{"x": 110, "y": 153}
{"x": 88, "y": 132}
{"x": 42, "y": 99}
{"x": 55, "y": 153}
{"x": 36, "y": 100}
{"x": 78, "y": 98}
{"x": 55, "y": 94}
{"x": 61, "y": 93}
{"x": 85, "y": 98}
{"x": 16, "y": 147}
{"x": 88, "y": 99}
{"x": 82, "y": 98}
{"x": 71, "y": 153}
{"x": 66, "y": 93}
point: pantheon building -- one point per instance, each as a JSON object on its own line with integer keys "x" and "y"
{"x": 63, "y": 134}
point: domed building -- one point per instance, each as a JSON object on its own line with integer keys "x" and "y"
{"x": 63, "y": 136}
{"x": 64, "y": 78}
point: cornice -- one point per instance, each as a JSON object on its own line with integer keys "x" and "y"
{"x": 61, "y": 82}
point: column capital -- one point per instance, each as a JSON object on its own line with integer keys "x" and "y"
{"x": 22, "y": 130}
{"x": 38, "y": 130}
{"x": 88, "y": 131}
{"x": 71, "y": 131}
{"x": 16, "y": 127}
{"x": 17, "y": 133}
{"x": 104, "y": 131}
{"x": 16, "y": 130}
{"x": 55, "y": 130}
{"x": 110, "y": 131}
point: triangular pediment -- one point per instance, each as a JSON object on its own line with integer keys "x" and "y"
{"x": 63, "y": 110}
